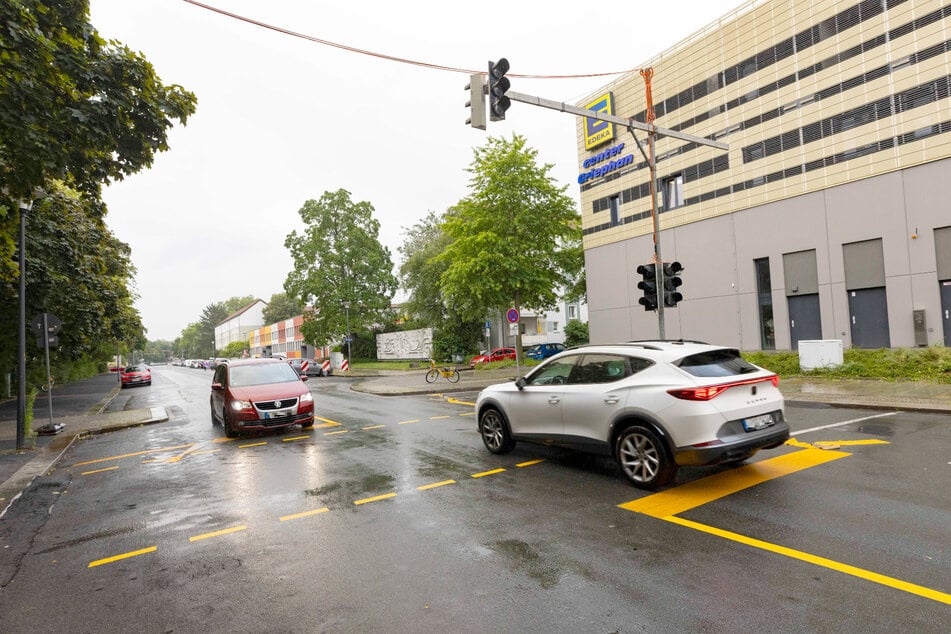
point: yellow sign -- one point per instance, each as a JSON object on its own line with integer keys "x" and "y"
{"x": 597, "y": 132}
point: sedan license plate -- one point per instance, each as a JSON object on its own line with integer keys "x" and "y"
{"x": 758, "y": 422}
{"x": 280, "y": 413}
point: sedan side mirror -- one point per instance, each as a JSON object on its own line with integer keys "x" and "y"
{"x": 303, "y": 377}
{"x": 520, "y": 383}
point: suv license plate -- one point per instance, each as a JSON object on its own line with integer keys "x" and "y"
{"x": 758, "y": 422}
{"x": 281, "y": 413}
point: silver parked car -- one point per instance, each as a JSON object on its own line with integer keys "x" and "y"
{"x": 652, "y": 405}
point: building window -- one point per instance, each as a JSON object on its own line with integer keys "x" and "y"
{"x": 615, "y": 203}
{"x": 674, "y": 191}
{"x": 764, "y": 294}
{"x": 572, "y": 311}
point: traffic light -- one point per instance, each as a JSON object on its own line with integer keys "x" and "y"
{"x": 476, "y": 103}
{"x": 649, "y": 285}
{"x": 671, "y": 282}
{"x": 498, "y": 86}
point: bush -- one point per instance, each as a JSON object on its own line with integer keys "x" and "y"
{"x": 892, "y": 364}
{"x": 576, "y": 333}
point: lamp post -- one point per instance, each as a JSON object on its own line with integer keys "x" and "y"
{"x": 25, "y": 207}
{"x": 346, "y": 308}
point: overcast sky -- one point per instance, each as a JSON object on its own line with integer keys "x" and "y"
{"x": 280, "y": 120}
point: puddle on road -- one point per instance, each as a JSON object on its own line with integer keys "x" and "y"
{"x": 342, "y": 494}
{"x": 522, "y": 557}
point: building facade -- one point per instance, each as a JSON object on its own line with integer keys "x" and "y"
{"x": 285, "y": 339}
{"x": 827, "y": 217}
{"x": 237, "y": 325}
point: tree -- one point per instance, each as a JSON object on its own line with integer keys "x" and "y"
{"x": 576, "y": 333}
{"x": 338, "y": 259}
{"x": 234, "y": 349}
{"x": 281, "y": 307}
{"x": 515, "y": 240}
{"x": 73, "y": 106}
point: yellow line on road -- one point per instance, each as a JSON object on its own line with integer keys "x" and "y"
{"x": 850, "y": 443}
{"x": 529, "y": 463}
{"x": 437, "y": 417}
{"x": 407, "y": 422}
{"x": 434, "y": 485}
{"x": 99, "y": 470}
{"x": 297, "y": 516}
{"x": 377, "y": 498}
{"x": 296, "y": 438}
{"x": 868, "y": 575}
{"x": 334, "y": 433}
{"x": 233, "y": 529}
{"x": 487, "y": 473}
{"x": 456, "y": 401}
{"x": 253, "y": 444}
{"x": 327, "y": 422}
{"x": 467, "y": 414}
{"x": 205, "y": 452}
{"x": 374, "y": 427}
{"x": 130, "y": 455}
{"x": 700, "y": 492}
{"x": 134, "y": 553}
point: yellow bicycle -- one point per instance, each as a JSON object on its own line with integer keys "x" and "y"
{"x": 450, "y": 374}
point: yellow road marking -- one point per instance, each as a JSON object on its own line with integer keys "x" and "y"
{"x": 434, "y": 485}
{"x": 437, "y": 417}
{"x": 224, "y": 440}
{"x": 377, "y": 498}
{"x": 407, "y": 422}
{"x": 487, "y": 473}
{"x": 253, "y": 444}
{"x": 130, "y": 455}
{"x": 233, "y": 529}
{"x": 467, "y": 414}
{"x": 529, "y": 463}
{"x": 297, "y": 516}
{"x": 334, "y": 433}
{"x": 296, "y": 438}
{"x": 134, "y": 553}
{"x": 205, "y": 452}
{"x": 374, "y": 427}
{"x": 868, "y": 575}
{"x": 699, "y": 492}
{"x": 848, "y": 443}
{"x": 99, "y": 470}
{"x": 327, "y": 422}
{"x": 456, "y": 401}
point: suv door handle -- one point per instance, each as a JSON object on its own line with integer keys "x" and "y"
{"x": 611, "y": 400}
{"x": 554, "y": 400}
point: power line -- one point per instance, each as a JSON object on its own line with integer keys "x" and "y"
{"x": 392, "y": 58}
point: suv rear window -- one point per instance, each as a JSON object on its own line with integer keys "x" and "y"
{"x": 725, "y": 362}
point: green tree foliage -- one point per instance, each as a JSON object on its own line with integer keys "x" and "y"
{"x": 576, "y": 333}
{"x": 420, "y": 274}
{"x": 515, "y": 240}
{"x": 77, "y": 270}
{"x": 281, "y": 307}
{"x": 338, "y": 258}
{"x": 233, "y": 350}
{"x": 73, "y": 106}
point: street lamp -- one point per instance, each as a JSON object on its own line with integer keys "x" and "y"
{"x": 346, "y": 308}
{"x": 25, "y": 207}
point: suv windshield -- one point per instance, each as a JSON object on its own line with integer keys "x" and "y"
{"x": 263, "y": 374}
{"x": 725, "y": 362}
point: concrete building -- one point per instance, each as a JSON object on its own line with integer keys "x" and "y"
{"x": 827, "y": 218}
{"x": 237, "y": 325}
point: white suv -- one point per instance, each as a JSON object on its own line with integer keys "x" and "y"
{"x": 653, "y": 405}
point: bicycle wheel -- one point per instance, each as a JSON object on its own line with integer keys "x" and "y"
{"x": 453, "y": 376}
{"x": 431, "y": 376}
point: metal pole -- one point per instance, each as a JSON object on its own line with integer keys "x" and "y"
{"x": 346, "y": 308}
{"x": 49, "y": 377}
{"x": 21, "y": 335}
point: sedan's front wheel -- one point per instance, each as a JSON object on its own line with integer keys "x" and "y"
{"x": 495, "y": 432}
{"x": 644, "y": 458}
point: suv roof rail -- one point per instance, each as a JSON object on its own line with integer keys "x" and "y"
{"x": 677, "y": 341}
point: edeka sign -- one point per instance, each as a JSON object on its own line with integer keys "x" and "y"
{"x": 596, "y": 131}
{"x": 610, "y": 163}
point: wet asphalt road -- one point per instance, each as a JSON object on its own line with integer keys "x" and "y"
{"x": 391, "y": 516}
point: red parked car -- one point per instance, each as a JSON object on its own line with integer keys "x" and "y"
{"x": 135, "y": 375}
{"x": 259, "y": 394}
{"x": 498, "y": 354}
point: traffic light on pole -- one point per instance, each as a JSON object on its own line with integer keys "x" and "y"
{"x": 498, "y": 86}
{"x": 648, "y": 285}
{"x": 476, "y": 103}
{"x": 671, "y": 282}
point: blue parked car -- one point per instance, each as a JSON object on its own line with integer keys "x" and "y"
{"x": 543, "y": 350}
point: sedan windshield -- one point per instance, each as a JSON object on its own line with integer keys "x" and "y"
{"x": 263, "y": 374}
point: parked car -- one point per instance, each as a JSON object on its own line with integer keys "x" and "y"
{"x": 653, "y": 405}
{"x": 135, "y": 375}
{"x": 498, "y": 354}
{"x": 259, "y": 394}
{"x": 314, "y": 367}
{"x": 543, "y": 350}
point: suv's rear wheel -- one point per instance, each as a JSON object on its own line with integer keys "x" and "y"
{"x": 644, "y": 458}
{"x": 495, "y": 432}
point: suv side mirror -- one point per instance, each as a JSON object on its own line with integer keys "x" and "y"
{"x": 520, "y": 383}
{"x": 303, "y": 377}
{"x": 217, "y": 386}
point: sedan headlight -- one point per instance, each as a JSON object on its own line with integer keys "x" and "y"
{"x": 306, "y": 397}
{"x": 240, "y": 405}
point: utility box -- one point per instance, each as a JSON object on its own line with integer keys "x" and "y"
{"x": 820, "y": 353}
{"x": 921, "y": 328}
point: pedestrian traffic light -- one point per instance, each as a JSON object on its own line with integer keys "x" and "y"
{"x": 671, "y": 282}
{"x": 498, "y": 86}
{"x": 648, "y": 285}
{"x": 476, "y": 103}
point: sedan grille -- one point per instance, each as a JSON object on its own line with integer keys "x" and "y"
{"x": 265, "y": 406}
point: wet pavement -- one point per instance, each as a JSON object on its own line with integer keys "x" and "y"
{"x": 92, "y": 397}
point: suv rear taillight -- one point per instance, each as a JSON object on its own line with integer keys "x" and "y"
{"x": 710, "y": 391}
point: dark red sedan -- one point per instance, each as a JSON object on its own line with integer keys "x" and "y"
{"x": 498, "y": 354}
{"x": 136, "y": 375}
{"x": 259, "y": 394}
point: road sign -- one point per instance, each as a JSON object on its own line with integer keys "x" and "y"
{"x": 53, "y": 324}
{"x": 512, "y": 316}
